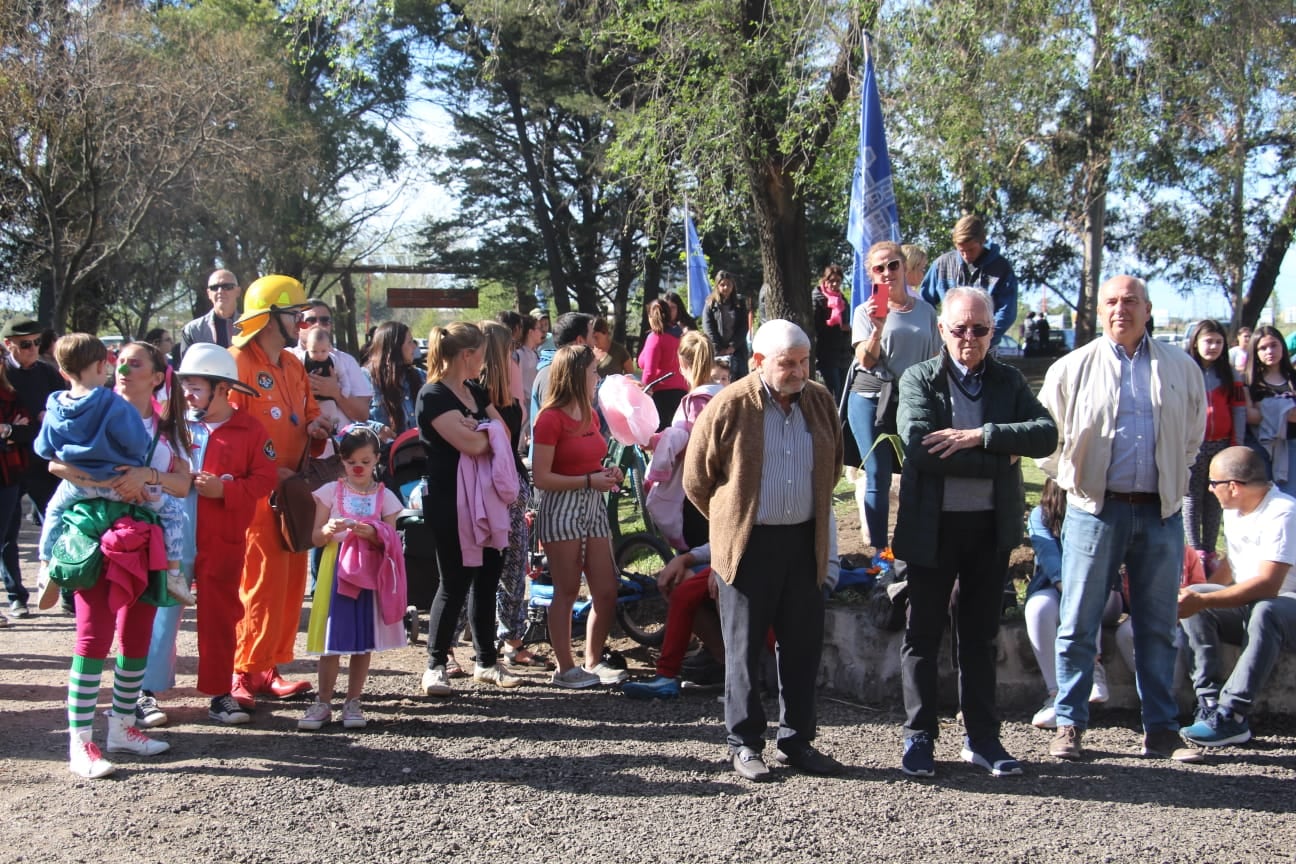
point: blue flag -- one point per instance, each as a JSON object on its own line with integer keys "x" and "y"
{"x": 699, "y": 284}
{"x": 873, "y": 214}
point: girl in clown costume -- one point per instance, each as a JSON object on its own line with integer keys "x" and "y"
{"x": 359, "y": 603}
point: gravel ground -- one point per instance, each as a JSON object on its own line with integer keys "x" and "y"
{"x": 538, "y": 775}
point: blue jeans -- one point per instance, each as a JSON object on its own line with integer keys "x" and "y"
{"x": 1290, "y": 486}
{"x": 1263, "y": 629}
{"x": 1093, "y": 548}
{"x": 862, "y": 411}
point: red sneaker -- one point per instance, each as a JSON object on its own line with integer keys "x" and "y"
{"x": 243, "y": 688}
{"x": 281, "y": 688}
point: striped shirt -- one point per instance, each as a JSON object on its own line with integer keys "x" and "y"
{"x": 787, "y": 465}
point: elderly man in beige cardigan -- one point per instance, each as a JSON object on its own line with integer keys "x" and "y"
{"x": 761, "y": 465}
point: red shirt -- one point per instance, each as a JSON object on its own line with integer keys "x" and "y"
{"x": 575, "y": 452}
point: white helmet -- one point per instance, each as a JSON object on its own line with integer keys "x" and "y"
{"x": 207, "y": 360}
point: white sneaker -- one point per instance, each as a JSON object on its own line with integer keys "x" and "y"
{"x": 1099, "y": 693}
{"x": 575, "y": 678}
{"x": 47, "y": 590}
{"x": 436, "y": 682}
{"x": 84, "y": 758}
{"x": 352, "y": 716}
{"x": 1046, "y": 716}
{"x": 609, "y": 675}
{"x": 497, "y": 675}
{"x": 123, "y": 737}
{"x": 316, "y": 716}
{"x": 178, "y": 588}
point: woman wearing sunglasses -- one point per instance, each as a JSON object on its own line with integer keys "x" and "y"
{"x": 890, "y": 331}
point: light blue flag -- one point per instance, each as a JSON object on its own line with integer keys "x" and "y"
{"x": 699, "y": 285}
{"x": 873, "y": 214}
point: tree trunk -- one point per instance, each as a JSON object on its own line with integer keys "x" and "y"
{"x": 781, "y": 227}
{"x": 559, "y": 288}
{"x": 1266, "y": 272}
{"x": 345, "y": 309}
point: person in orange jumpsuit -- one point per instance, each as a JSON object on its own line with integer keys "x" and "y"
{"x": 274, "y": 579}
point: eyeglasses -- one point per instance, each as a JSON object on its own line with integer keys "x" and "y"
{"x": 322, "y": 320}
{"x": 223, "y": 286}
{"x": 889, "y": 267}
{"x": 27, "y": 343}
{"x": 1213, "y": 483}
{"x": 980, "y": 331}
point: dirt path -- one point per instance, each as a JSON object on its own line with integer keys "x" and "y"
{"x": 540, "y": 775}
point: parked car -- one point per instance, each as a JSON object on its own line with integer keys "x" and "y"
{"x": 1009, "y": 347}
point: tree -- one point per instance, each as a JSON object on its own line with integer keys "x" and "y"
{"x": 1218, "y": 179}
{"x": 110, "y": 111}
{"x": 735, "y": 102}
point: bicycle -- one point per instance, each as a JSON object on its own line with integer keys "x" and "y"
{"x": 640, "y": 606}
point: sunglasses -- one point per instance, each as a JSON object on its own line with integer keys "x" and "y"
{"x": 979, "y": 331}
{"x": 323, "y": 320}
{"x": 889, "y": 267}
{"x": 27, "y": 343}
{"x": 223, "y": 286}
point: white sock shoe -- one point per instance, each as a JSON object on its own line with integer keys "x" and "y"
{"x": 123, "y": 737}
{"x": 84, "y": 758}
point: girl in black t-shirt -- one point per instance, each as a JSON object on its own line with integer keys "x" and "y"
{"x": 449, "y": 408}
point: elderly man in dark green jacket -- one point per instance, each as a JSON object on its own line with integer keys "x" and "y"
{"x": 965, "y": 421}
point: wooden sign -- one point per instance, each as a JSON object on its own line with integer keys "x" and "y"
{"x": 432, "y": 298}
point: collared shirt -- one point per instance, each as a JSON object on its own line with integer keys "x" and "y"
{"x": 1133, "y": 456}
{"x": 787, "y": 465}
{"x": 971, "y": 381}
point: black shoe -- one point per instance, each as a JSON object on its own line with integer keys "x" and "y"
{"x": 749, "y": 764}
{"x": 809, "y": 760}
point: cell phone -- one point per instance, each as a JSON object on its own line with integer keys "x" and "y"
{"x": 880, "y": 292}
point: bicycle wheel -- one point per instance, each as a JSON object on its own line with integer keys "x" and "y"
{"x": 641, "y": 609}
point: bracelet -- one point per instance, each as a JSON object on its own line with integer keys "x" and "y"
{"x": 587, "y": 481}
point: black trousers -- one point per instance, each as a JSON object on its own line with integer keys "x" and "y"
{"x": 980, "y": 573}
{"x": 477, "y": 584}
{"x": 775, "y": 586}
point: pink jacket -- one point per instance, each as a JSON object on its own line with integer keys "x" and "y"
{"x": 131, "y": 548}
{"x": 486, "y": 486}
{"x": 363, "y": 566}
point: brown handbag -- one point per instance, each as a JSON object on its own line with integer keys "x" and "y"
{"x": 294, "y": 504}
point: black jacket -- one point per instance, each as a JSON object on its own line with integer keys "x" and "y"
{"x": 1015, "y": 424}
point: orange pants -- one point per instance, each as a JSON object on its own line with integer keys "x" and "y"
{"x": 272, "y": 587}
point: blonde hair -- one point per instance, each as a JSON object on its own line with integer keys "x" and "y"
{"x": 447, "y": 343}
{"x": 495, "y": 371}
{"x": 697, "y": 354}
{"x": 915, "y": 258}
{"x": 568, "y": 384}
{"x": 970, "y": 227}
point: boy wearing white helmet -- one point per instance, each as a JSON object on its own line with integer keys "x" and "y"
{"x": 231, "y": 474}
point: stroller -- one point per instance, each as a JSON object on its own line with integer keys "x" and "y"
{"x": 406, "y": 467}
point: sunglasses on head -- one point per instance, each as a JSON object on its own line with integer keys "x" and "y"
{"x": 889, "y": 267}
{"x": 978, "y": 330}
{"x": 317, "y": 319}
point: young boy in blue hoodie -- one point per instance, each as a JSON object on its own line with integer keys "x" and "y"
{"x": 94, "y": 430}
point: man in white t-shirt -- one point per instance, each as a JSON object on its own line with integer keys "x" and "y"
{"x": 347, "y": 385}
{"x": 1238, "y": 353}
{"x": 1257, "y": 611}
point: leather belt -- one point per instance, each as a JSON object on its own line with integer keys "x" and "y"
{"x": 1134, "y": 497}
